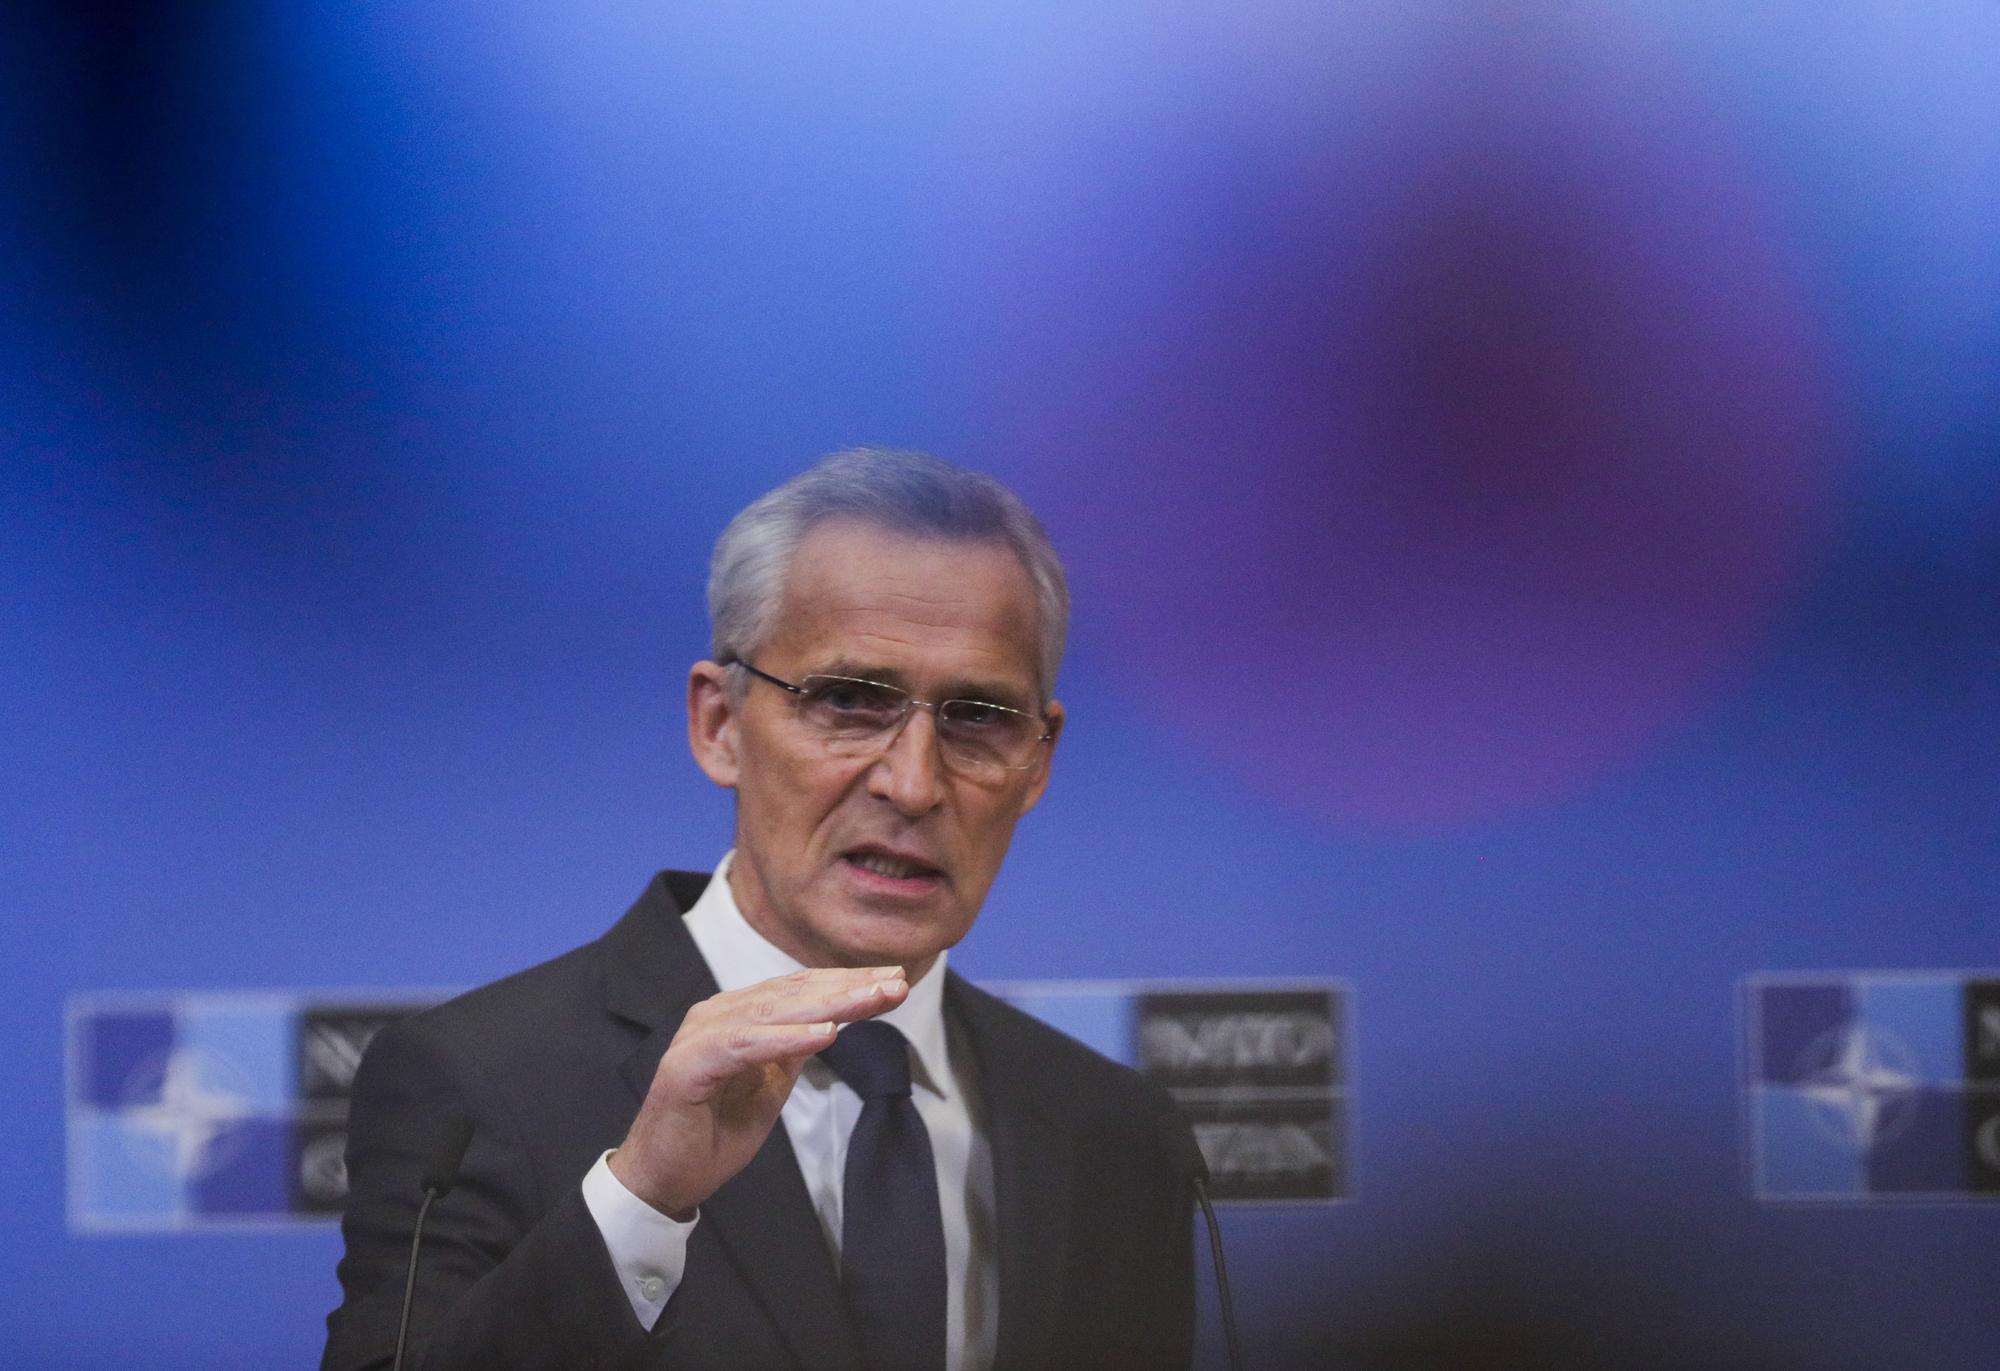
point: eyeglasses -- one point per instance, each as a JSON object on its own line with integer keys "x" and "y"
{"x": 855, "y": 718}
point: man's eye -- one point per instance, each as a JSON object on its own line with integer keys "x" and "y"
{"x": 852, "y": 697}
{"x": 977, "y": 714}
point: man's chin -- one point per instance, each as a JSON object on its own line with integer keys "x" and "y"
{"x": 864, "y": 935}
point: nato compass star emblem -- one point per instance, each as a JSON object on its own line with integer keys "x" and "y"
{"x": 191, "y": 1101}
{"x": 1862, "y": 1084}
{"x": 1872, "y": 1087}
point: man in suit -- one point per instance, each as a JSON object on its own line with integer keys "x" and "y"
{"x": 954, "y": 1186}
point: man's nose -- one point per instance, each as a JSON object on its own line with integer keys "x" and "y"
{"x": 910, "y": 774}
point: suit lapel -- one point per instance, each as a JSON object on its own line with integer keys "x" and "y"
{"x": 1033, "y": 1171}
{"x": 762, "y": 1218}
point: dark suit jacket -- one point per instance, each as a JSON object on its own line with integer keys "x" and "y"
{"x": 550, "y": 1065}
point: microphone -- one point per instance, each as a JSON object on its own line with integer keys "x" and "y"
{"x": 437, "y": 1180}
{"x": 442, "y": 1174}
{"x": 1185, "y": 1155}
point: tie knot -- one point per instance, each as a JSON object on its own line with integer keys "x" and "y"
{"x": 873, "y": 1058}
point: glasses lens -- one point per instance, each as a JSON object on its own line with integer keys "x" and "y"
{"x": 988, "y": 735}
{"x": 847, "y": 710}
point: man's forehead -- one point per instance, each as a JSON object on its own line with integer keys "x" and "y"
{"x": 859, "y": 595}
{"x": 851, "y": 565}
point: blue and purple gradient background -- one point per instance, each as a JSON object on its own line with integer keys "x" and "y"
{"x": 1529, "y": 475}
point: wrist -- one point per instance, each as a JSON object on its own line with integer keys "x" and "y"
{"x": 644, "y": 1189}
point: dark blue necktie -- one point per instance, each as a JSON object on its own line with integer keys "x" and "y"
{"x": 891, "y": 1232}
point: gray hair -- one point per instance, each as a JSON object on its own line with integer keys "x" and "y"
{"x": 907, "y": 492}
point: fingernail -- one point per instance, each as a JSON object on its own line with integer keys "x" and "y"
{"x": 819, "y": 1029}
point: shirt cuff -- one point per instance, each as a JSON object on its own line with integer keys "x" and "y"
{"x": 648, "y": 1249}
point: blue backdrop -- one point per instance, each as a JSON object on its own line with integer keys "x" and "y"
{"x": 1528, "y": 471}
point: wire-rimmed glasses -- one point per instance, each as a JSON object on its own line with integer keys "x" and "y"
{"x": 855, "y": 717}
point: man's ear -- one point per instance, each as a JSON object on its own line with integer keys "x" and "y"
{"x": 712, "y": 723}
{"x": 1039, "y": 778}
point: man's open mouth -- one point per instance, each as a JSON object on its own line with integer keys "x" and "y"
{"x": 891, "y": 865}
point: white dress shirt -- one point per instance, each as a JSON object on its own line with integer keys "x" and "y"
{"x": 649, "y": 1249}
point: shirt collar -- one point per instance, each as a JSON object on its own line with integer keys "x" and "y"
{"x": 738, "y": 956}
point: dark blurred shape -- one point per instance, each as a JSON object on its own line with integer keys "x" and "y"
{"x": 134, "y": 112}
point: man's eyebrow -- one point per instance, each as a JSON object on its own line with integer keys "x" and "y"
{"x": 993, "y": 692}
{"x": 861, "y": 671}
{"x": 988, "y": 692}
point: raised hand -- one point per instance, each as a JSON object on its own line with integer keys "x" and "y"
{"x": 727, "y": 1074}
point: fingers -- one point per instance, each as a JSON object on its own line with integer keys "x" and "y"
{"x": 779, "y": 1022}
{"x": 842, "y": 994}
{"x": 725, "y": 1077}
{"x": 717, "y": 1057}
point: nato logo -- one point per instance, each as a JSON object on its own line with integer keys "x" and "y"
{"x": 1877, "y": 1086}
{"x": 1260, "y": 1071}
{"x": 205, "y": 1111}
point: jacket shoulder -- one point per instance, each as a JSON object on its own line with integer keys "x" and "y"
{"x": 493, "y": 1018}
{"x": 560, "y": 1003}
